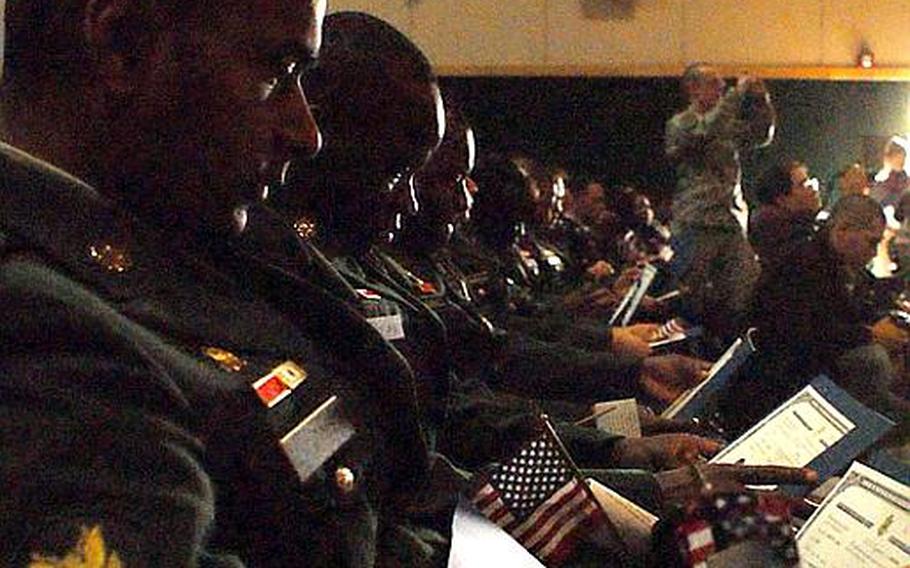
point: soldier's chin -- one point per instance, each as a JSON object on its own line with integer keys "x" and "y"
{"x": 272, "y": 177}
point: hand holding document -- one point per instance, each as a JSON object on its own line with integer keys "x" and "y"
{"x": 821, "y": 427}
{"x": 864, "y": 521}
{"x": 633, "y": 297}
{"x": 694, "y": 401}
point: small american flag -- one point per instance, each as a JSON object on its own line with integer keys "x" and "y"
{"x": 671, "y": 328}
{"x": 539, "y": 499}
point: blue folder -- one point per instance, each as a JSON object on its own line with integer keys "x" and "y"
{"x": 699, "y": 402}
{"x": 870, "y": 427}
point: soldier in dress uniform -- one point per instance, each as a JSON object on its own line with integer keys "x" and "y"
{"x": 161, "y": 404}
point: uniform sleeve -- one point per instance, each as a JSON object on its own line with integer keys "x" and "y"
{"x": 562, "y": 372}
{"x": 95, "y": 458}
{"x": 683, "y": 137}
{"x": 748, "y": 119}
{"x": 760, "y": 120}
{"x": 689, "y": 136}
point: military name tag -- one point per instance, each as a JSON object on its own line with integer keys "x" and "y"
{"x": 279, "y": 383}
{"x": 391, "y": 327}
{"x": 317, "y": 438}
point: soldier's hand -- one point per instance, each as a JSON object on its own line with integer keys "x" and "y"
{"x": 644, "y": 331}
{"x": 682, "y": 485}
{"x": 625, "y": 280}
{"x": 666, "y": 377}
{"x": 652, "y": 424}
{"x": 633, "y": 340}
{"x": 600, "y": 270}
{"x": 666, "y": 451}
{"x": 744, "y": 83}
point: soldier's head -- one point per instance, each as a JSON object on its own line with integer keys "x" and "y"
{"x": 444, "y": 187}
{"x": 702, "y": 85}
{"x": 855, "y": 228}
{"x": 787, "y": 185}
{"x": 505, "y": 200}
{"x": 185, "y": 111}
{"x": 853, "y": 180}
{"x": 381, "y": 112}
{"x": 894, "y": 155}
{"x": 642, "y": 209}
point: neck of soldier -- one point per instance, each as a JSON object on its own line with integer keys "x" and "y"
{"x": 422, "y": 239}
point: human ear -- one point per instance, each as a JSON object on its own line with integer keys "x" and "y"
{"x": 125, "y": 40}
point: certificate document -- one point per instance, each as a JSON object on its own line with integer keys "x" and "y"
{"x": 793, "y": 435}
{"x": 864, "y": 522}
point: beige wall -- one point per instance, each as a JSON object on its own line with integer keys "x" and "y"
{"x": 606, "y": 36}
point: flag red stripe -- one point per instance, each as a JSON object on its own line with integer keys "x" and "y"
{"x": 485, "y": 497}
{"x": 564, "y": 530}
{"x": 548, "y": 509}
{"x": 575, "y": 509}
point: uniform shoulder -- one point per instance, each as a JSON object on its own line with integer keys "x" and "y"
{"x": 43, "y": 208}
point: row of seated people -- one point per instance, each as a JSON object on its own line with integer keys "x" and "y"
{"x": 192, "y": 378}
{"x": 446, "y": 264}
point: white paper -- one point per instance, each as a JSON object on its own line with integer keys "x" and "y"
{"x": 622, "y": 418}
{"x": 793, "y": 435}
{"x": 864, "y": 522}
{"x": 479, "y": 543}
{"x": 633, "y": 523}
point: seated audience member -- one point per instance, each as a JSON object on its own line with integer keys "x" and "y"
{"x": 589, "y": 206}
{"x": 810, "y": 320}
{"x": 574, "y": 238}
{"x": 157, "y": 398}
{"x": 361, "y": 184}
{"x": 853, "y": 180}
{"x": 647, "y": 239}
{"x": 891, "y": 182}
{"x": 787, "y": 211}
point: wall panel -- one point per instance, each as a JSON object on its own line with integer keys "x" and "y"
{"x": 582, "y": 34}
{"x": 785, "y": 38}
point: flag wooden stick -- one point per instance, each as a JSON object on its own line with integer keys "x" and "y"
{"x": 620, "y": 549}
{"x": 595, "y": 416}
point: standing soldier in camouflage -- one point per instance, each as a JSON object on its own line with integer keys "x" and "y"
{"x": 713, "y": 257}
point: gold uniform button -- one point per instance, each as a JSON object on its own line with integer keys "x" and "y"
{"x": 344, "y": 479}
{"x": 306, "y": 228}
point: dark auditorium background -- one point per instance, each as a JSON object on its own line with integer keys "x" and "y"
{"x": 613, "y": 127}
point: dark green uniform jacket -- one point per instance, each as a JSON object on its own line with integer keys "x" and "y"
{"x": 549, "y": 357}
{"x": 128, "y": 361}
